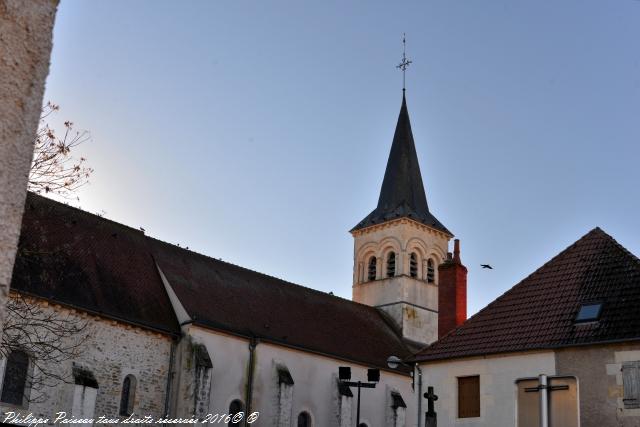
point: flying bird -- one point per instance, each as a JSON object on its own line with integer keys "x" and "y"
{"x": 486, "y": 266}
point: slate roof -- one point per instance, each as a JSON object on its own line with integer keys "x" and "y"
{"x": 540, "y": 311}
{"x": 85, "y": 261}
{"x": 232, "y": 298}
{"x": 402, "y": 193}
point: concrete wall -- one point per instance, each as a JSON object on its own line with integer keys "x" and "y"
{"x": 112, "y": 351}
{"x": 497, "y": 386}
{"x": 598, "y": 369}
{"x": 25, "y": 47}
{"x": 315, "y": 389}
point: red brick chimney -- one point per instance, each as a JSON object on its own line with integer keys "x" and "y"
{"x": 452, "y": 292}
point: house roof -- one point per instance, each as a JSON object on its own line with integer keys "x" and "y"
{"x": 225, "y": 296}
{"x": 85, "y": 261}
{"x": 91, "y": 263}
{"x": 402, "y": 193}
{"x": 540, "y": 311}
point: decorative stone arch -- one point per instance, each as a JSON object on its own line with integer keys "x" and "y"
{"x": 128, "y": 395}
{"x": 439, "y": 254}
{"x": 367, "y": 249}
{"x": 305, "y": 410}
{"x": 389, "y": 243}
{"x": 437, "y": 258}
{"x": 362, "y": 262}
{"x": 417, "y": 244}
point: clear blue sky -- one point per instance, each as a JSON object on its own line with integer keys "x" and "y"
{"x": 258, "y": 132}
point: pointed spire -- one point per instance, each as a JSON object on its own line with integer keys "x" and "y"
{"x": 402, "y": 193}
{"x": 402, "y": 179}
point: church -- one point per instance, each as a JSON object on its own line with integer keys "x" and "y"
{"x": 107, "y": 324}
{"x": 168, "y": 332}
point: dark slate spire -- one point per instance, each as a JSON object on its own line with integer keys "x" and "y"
{"x": 402, "y": 193}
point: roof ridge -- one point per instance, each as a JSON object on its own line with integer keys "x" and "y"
{"x": 283, "y": 281}
{"x": 98, "y": 217}
{"x": 618, "y": 244}
{"x": 595, "y": 243}
{"x": 82, "y": 211}
{"x": 512, "y": 289}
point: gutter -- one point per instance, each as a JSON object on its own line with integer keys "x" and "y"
{"x": 170, "y": 375}
{"x": 524, "y": 350}
{"x": 417, "y": 365}
{"x": 253, "y": 343}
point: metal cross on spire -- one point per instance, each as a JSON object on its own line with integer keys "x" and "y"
{"x": 405, "y": 62}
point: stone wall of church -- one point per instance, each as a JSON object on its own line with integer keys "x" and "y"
{"x": 313, "y": 387}
{"x": 111, "y": 351}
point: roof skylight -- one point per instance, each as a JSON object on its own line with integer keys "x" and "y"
{"x": 589, "y": 312}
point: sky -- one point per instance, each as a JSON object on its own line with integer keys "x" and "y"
{"x": 258, "y": 132}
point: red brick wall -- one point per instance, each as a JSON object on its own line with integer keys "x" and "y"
{"x": 452, "y": 293}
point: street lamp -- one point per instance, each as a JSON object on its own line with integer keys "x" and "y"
{"x": 373, "y": 376}
{"x": 393, "y": 362}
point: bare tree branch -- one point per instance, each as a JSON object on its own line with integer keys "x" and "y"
{"x": 54, "y": 169}
{"x": 48, "y": 335}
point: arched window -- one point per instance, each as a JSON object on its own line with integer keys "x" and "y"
{"x": 234, "y": 408}
{"x": 304, "y": 419}
{"x": 391, "y": 264}
{"x": 371, "y": 271}
{"x": 413, "y": 265}
{"x": 128, "y": 395}
{"x": 431, "y": 271}
{"x": 15, "y": 378}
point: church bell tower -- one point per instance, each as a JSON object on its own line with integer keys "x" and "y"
{"x": 399, "y": 246}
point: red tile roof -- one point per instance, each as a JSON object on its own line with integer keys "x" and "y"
{"x": 540, "y": 311}
{"x": 228, "y": 297}
{"x": 80, "y": 259}
{"x": 85, "y": 261}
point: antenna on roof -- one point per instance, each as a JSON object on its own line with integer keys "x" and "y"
{"x": 404, "y": 64}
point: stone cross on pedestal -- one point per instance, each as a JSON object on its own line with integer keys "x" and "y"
{"x": 431, "y": 418}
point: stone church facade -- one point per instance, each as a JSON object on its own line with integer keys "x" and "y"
{"x": 173, "y": 333}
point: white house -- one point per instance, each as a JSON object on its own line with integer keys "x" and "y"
{"x": 563, "y": 344}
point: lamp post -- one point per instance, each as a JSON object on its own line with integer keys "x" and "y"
{"x": 373, "y": 376}
{"x": 393, "y": 362}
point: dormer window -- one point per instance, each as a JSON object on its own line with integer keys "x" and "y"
{"x": 413, "y": 265}
{"x": 391, "y": 264}
{"x": 589, "y": 313}
{"x": 431, "y": 271}
{"x": 371, "y": 270}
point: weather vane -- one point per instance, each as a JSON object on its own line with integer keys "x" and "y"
{"x": 405, "y": 62}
